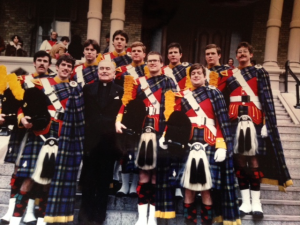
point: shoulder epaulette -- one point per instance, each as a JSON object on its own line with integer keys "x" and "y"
{"x": 119, "y": 69}
{"x": 179, "y": 94}
{"x": 258, "y": 66}
{"x": 37, "y": 82}
{"x": 185, "y": 64}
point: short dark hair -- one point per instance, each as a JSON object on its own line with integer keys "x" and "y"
{"x": 92, "y": 42}
{"x": 231, "y": 59}
{"x": 64, "y": 38}
{"x": 155, "y": 53}
{"x": 175, "y": 45}
{"x": 138, "y": 44}
{"x": 15, "y": 35}
{"x": 66, "y": 58}
{"x": 209, "y": 46}
{"x": 54, "y": 31}
{"x": 197, "y": 66}
{"x": 122, "y": 33}
{"x": 39, "y": 54}
{"x": 246, "y": 45}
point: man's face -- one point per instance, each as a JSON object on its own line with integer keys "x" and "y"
{"x": 137, "y": 54}
{"x": 154, "y": 64}
{"x": 244, "y": 56}
{"x": 41, "y": 64}
{"x": 197, "y": 77}
{"x": 65, "y": 42}
{"x": 64, "y": 70}
{"x": 230, "y": 62}
{"x": 212, "y": 58}
{"x": 53, "y": 35}
{"x": 119, "y": 43}
{"x": 106, "y": 72}
{"x": 174, "y": 56}
{"x": 90, "y": 53}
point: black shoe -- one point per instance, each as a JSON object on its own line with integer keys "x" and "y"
{"x": 133, "y": 194}
{"x": 120, "y": 194}
{"x": 257, "y": 215}
{"x": 242, "y": 213}
{"x": 4, "y": 222}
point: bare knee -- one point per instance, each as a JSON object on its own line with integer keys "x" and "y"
{"x": 27, "y": 185}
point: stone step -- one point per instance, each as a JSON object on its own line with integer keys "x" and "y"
{"x": 296, "y": 181}
{"x": 272, "y": 192}
{"x": 292, "y": 144}
{"x": 272, "y": 220}
{"x": 279, "y": 108}
{"x": 4, "y": 182}
{"x": 284, "y": 122}
{"x": 278, "y": 104}
{"x": 292, "y": 161}
{"x": 6, "y": 169}
{"x": 4, "y": 196}
{"x": 294, "y": 136}
{"x": 281, "y": 113}
{"x": 292, "y": 154}
{"x": 289, "y": 129}
{"x": 283, "y": 117}
{"x": 294, "y": 171}
{"x": 281, "y": 207}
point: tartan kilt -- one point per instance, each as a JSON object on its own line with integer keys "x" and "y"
{"x": 165, "y": 193}
{"x": 215, "y": 168}
{"x": 32, "y": 150}
{"x": 128, "y": 145}
{"x": 15, "y": 140}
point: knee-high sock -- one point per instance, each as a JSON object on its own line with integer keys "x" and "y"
{"x": 21, "y": 203}
{"x": 206, "y": 214}
{"x": 143, "y": 193}
{"x": 190, "y": 212}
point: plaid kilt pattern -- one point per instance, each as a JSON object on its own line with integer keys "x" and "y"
{"x": 32, "y": 149}
{"x": 15, "y": 140}
{"x": 219, "y": 68}
{"x": 90, "y": 74}
{"x": 223, "y": 176}
{"x": 179, "y": 71}
{"x": 274, "y": 146}
{"x": 122, "y": 60}
{"x": 60, "y": 206}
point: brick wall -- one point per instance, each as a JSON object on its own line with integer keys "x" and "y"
{"x": 258, "y": 39}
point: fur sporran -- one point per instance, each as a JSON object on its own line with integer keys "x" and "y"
{"x": 45, "y": 165}
{"x": 147, "y": 150}
{"x": 196, "y": 175}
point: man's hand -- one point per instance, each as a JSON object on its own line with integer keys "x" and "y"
{"x": 220, "y": 155}
{"x": 119, "y": 127}
{"x": 161, "y": 143}
{"x": 2, "y": 120}
{"x": 25, "y": 123}
{"x": 264, "y": 132}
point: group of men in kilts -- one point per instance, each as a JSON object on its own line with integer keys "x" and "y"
{"x": 177, "y": 128}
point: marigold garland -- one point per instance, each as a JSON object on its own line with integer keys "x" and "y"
{"x": 15, "y": 86}
{"x": 169, "y": 104}
{"x": 3, "y": 81}
{"x": 128, "y": 87}
{"x": 213, "y": 78}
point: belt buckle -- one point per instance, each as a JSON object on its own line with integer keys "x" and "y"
{"x": 245, "y": 98}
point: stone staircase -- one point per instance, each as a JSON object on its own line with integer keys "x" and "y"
{"x": 279, "y": 208}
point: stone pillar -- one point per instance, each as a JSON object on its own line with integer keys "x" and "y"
{"x": 294, "y": 41}
{"x": 117, "y": 18}
{"x": 272, "y": 40}
{"x": 94, "y": 20}
{"x": 272, "y": 37}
